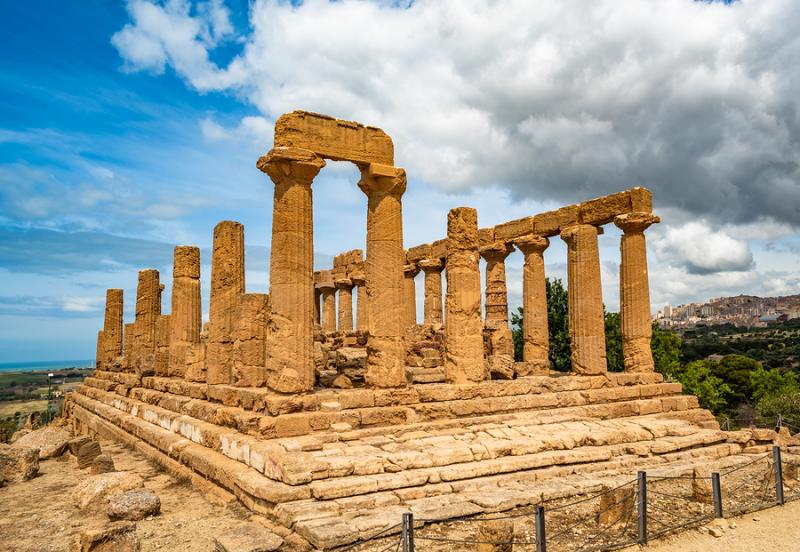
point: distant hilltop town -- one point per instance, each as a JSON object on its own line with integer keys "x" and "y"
{"x": 742, "y": 310}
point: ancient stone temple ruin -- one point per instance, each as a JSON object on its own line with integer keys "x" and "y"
{"x": 329, "y": 408}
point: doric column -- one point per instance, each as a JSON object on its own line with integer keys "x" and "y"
{"x": 100, "y": 352}
{"x": 129, "y": 347}
{"x": 290, "y": 351}
{"x": 410, "y": 272}
{"x": 345, "y": 287}
{"x": 112, "y": 327}
{"x": 496, "y": 293}
{"x": 433, "y": 289}
{"x": 359, "y": 279}
{"x": 227, "y": 285}
{"x": 249, "y": 332}
{"x": 328, "y": 291}
{"x": 634, "y": 291}
{"x": 317, "y": 309}
{"x": 148, "y": 309}
{"x": 186, "y": 316}
{"x": 384, "y": 186}
{"x": 535, "y": 333}
{"x": 463, "y": 325}
{"x": 585, "y": 299}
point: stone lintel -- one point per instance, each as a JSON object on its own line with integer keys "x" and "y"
{"x": 343, "y": 283}
{"x": 436, "y": 264}
{"x": 334, "y": 138}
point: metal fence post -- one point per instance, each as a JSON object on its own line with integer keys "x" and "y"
{"x": 408, "y": 532}
{"x": 541, "y": 539}
{"x": 716, "y": 491}
{"x": 642, "y": 506}
{"x": 776, "y": 458}
{"x": 778, "y": 422}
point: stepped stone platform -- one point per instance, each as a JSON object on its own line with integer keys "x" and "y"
{"x": 337, "y": 466}
{"x": 332, "y": 418}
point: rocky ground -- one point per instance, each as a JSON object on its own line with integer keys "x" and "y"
{"x": 41, "y": 515}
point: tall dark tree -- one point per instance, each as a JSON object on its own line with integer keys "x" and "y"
{"x": 613, "y": 342}
{"x": 558, "y": 326}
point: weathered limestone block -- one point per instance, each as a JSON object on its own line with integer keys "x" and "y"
{"x": 186, "y": 315}
{"x": 345, "y": 305}
{"x": 384, "y": 186}
{"x": 291, "y": 271}
{"x": 249, "y": 345}
{"x": 103, "y": 463}
{"x": 410, "y": 272}
{"x": 134, "y": 505}
{"x": 634, "y": 288}
{"x": 148, "y": 309}
{"x": 463, "y": 326}
{"x": 118, "y": 536}
{"x": 433, "y": 289}
{"x": 585, "y": 299}
{"x": 227, "y": 285}
{"x": 112, "y": 327}
{"x": 18, "y": 463}
{"x": 51, "y": 441}
{"x": 701, "y": 485}
{"x": 495, "y": 536}
{"x": 94, "y": 491}
{"x": 86, "y": 453}
{"x": 536, "y": 347}
{"x": 616, "y": 505}
{"x": 333, "y": 138}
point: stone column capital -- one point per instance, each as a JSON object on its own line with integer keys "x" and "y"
{"x": 382, "y": 179}
{"x": 570, "y": 232}
{"x": 343, "y": 283}
{"x": 431, "y": 265}
{"x": 532, "y": 243}
{"x": 326, "y": 287}
{"x": 295, "y": 164}
{"x": 496, "y": 251}
{"x": 358, "y": 278}
{"x": 410, "y": 270}
{"x": 633, "y": 223}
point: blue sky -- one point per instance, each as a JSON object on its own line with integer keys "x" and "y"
{"x": 130, "y": 127}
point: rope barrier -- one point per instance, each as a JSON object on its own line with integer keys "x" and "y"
{"x": 592, "y": 497}
{"x": 677, "y": 497}
{"x": 737, "y": 468}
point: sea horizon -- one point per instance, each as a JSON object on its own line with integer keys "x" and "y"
{"x": 41, "y": 365}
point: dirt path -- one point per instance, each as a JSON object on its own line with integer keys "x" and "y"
{"x": 776, "y": 530}
{"x": 38, "y": 515}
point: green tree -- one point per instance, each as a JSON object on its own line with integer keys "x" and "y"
{"x": 558, "y": 324}
{"x": 771, "y": 383}
{"x": 785, "y": 404}
{"x": 667, "y": 352}
{"x": 516, "y": 333}
{"x": 735, "y": 371}
{"x": 613, "y": 342}
{"x": 698, "y": 379}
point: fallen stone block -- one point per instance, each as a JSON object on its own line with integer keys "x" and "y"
{"x": 87, "y": 452}
{"x": 102, "y": 464}
{"x": 118, "y": 536}
{"x": 95, "y": 490}
{"x": 18, "y": 463}
{"x": 134, "y": 505}
{"x": 51, "y": 441}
